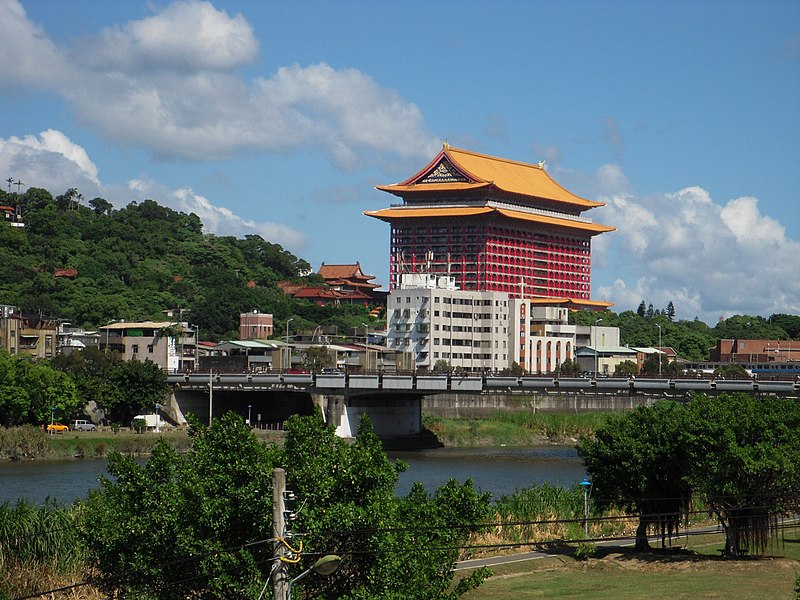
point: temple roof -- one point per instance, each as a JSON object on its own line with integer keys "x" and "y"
{"x": 454, "y": 169}
{"x": 390, "y": 214}
{"x": 346, "y": 272}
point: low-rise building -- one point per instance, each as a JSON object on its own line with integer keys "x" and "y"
{"x": 170, "y": 345}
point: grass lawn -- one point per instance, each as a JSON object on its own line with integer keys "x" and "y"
{"x": 698, "y": 572}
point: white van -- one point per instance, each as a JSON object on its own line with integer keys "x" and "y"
{"x": 152, "y": 422}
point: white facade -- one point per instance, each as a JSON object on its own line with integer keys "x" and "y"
{"x": 429, "y": 320}
{"x": 544, "y": 339}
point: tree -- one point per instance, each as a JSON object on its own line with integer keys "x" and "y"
{"x": 198, "y": 525}
{"x": 670, "y": 311}
{"x": 33, "y": 393}
{"x": 626, "y": 368}
{"x": 441, "y": 366}
{"x": 637, "y": 463}
{"x": 732, "y": 371}
{"x": 744, "y": 451}
{"x": 641, "y": 311}
{"x": 317, "y": 357}
{"x": 186, "y": 526}
{"x": 569, "y": 368}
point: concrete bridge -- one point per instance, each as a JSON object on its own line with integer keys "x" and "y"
{"x": 394, "y": 401}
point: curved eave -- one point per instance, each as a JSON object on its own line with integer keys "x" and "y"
{"x": 388, "y": 214}
{"x": 428, "y": 188}
{"x": 593, "y": 228}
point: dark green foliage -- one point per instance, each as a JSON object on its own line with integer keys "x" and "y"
{"x": 738, "y": 454}
{"x": 138, "y": 261}
{"x": 745, "y": 453}
{"x": 121, "y": 388}
{"x": 197, "y": 525}
{"x": 176, "y": 526}
{"x": 637, "y": 463}
{"x": 748, "y": 327}
{"x": 626, "y": 368}
{"x": 569, "y": 368}
{"x": 32, "y": 392}
{"x": 732, "y": 371}
{"x": 394, "y": 547}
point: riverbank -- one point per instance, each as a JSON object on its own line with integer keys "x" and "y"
{"x": 514, "y": 429}
{"x": 32, "y": 443}
{"x": 499, "y": 429}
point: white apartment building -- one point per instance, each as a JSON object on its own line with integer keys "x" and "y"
{"x": 545, "y": 339}
{"x": 430, "y": 320}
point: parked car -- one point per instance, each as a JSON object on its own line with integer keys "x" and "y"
{"x": 82, "y": 425}
{"x": 55, "y": 427}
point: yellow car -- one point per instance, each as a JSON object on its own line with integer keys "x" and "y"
{"x": 55, "y": 427}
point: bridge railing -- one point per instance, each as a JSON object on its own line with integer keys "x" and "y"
{"x": 441, "y": 383}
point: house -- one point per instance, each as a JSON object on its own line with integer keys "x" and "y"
{"x": 170, "y": 345}
{"x": 20, "y": 333}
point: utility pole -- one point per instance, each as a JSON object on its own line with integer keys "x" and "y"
{"x": 280, "y": 578}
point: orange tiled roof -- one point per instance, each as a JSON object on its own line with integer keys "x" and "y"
{"x": 387, "y": 214}
{"x": 483, "y": 171}
{"x": 65, "y": 273}
{"x": 343, "y": 272}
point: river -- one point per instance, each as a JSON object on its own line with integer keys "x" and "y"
{"x": 496, "y": 470}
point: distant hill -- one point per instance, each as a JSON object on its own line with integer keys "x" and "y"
{"x": 90, "y": 263}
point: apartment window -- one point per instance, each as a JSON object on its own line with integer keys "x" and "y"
{"x": 135, "y": 348}
{"x": 149, "y": 348}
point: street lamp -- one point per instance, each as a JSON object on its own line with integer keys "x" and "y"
{"x": 324, "y": 566}
{"x": 366, "y": 346}
{"x": 596, "y": 351}
{"x": 249, "y": 408}
{"x": 107, "y": 328}
{"x": 288, "y": 355}
{"x": 659, "y": 350}
{"x": 586, "y": 484}
{"x": 52, "y": 418}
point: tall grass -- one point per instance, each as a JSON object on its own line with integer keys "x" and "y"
{"x": 22, "y": 442}
{"x": 506, "y": 428}
{"x": 39, "y": 545}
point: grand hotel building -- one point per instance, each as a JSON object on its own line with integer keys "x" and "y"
{"x": 514, "y": 250}
{"x": 494, "y": 225}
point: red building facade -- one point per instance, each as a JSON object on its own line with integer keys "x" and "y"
{"x": 494, "y": 225}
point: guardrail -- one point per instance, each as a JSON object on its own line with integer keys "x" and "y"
{"x": 432, "y": 384}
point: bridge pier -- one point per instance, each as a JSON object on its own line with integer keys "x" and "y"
{"x": 397, "y": 418}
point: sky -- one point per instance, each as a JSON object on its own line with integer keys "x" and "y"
{"x": 280, "y": 118}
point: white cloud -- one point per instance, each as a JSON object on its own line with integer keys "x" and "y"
{"x": 171, "y": 83}
{"x": 28, "y": 55}
{"x": 51, "y": 161}
{"x": 216, "y": 219}
{"x": 183, "y": 36}
{"x": 709, "y": 259}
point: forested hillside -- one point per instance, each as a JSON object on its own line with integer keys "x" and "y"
{"x": 138, "y": 261}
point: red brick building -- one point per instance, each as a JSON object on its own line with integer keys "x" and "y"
{"x": 744, "y": 351}
{"x": 495, "y": 225}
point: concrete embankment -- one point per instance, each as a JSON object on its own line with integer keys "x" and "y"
{"x": 477, "y": 406}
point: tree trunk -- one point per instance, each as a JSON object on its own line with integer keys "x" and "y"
{"x": 641, "y": 536}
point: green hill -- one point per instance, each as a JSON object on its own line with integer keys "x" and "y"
{"x": 91, "y": 264}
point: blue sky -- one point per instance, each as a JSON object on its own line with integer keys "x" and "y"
{"x": 279, "y": 119}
